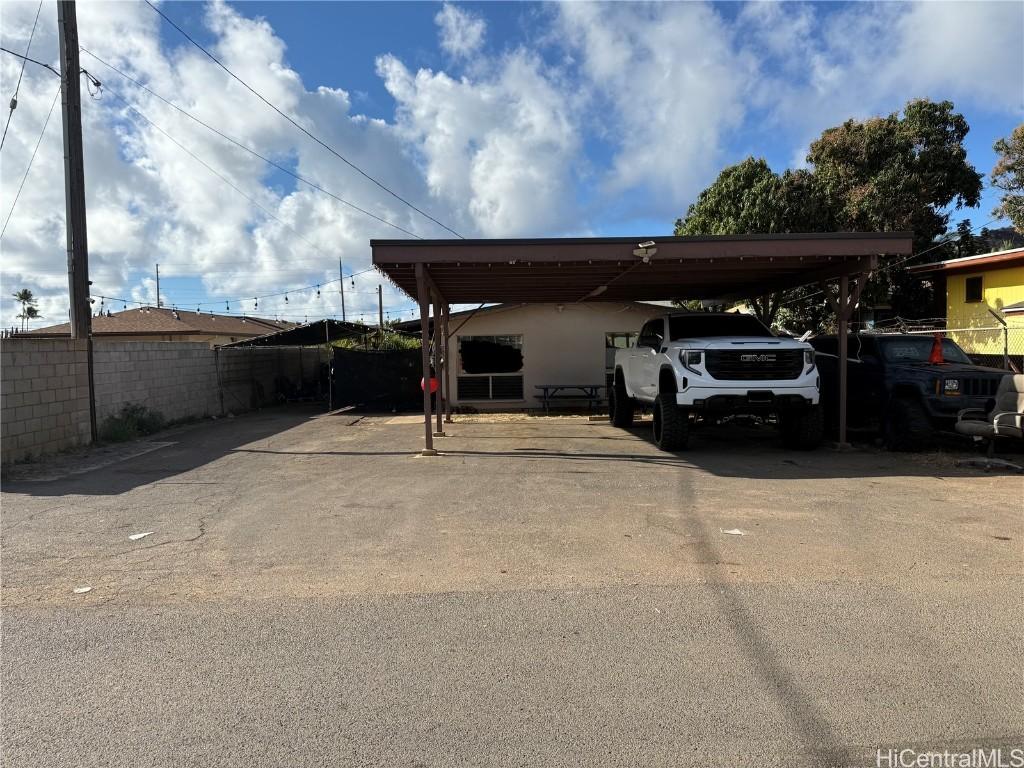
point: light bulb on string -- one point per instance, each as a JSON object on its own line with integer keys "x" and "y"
{"x": 318, "y": 291}
{"x": 227, "y": 306}
{"x": 286, "y": 298}
{"x": 255, "y": 303}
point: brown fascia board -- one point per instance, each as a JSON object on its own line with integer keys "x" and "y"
{"x": 613, "y": 249}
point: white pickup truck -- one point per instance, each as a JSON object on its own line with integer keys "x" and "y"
{"x": 706, "y": 365}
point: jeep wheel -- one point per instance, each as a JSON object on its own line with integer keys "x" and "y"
{"x": 907, "y": 427}
{"x": 803, "y": 430}
{"x": 671, "y": 424}
{"x": 621, "y": 406}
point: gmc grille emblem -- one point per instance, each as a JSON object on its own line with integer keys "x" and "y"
{"x": 757, "y": 358}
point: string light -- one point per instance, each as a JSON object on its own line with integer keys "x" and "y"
{"x": 227, "y": 305}
{"x": 318, "y": 291}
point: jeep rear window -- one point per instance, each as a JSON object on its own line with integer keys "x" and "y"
{"x": 698, "y": 326}
{"x": 917, "y": 349}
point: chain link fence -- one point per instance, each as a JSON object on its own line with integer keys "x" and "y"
{"x": 997, "y": 346}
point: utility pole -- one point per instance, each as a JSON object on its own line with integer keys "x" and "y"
{"x": 380, "y": 316}
{"x": 74, "y": 189}
{"x": 341, "y": 288}
{"x": 158, "y": 286}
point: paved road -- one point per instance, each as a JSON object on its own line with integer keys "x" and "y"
{"x": 552, "y": 592}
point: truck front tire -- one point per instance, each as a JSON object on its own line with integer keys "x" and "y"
{"x": 804, "y": 429}
{"x": 621, "y": 407}
{"x": 671, "y": 424}
{"x": 907, "y": 427}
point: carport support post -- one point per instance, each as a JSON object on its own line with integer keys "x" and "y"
{"x": 844, "y": 324}
{"x": 439, "y": 431}
{"x": 445, "y": 347}
{"x": 423, "y": 298}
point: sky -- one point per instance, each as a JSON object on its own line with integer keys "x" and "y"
{"x": 495, "y": 119}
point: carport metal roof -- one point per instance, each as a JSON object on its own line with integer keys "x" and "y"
{"x": 566, "y": 270}
{"x": 606, "y": 269}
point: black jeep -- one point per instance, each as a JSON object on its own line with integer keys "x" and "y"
{"x": 894, "y": 389}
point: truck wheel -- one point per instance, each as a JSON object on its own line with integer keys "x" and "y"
{"x": 907, "y": 427}
{"x": 803, "y": 430}
{"x": 621, "y": 406}
{"x": 671, "y": 424}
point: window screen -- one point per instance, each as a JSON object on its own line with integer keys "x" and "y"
{"x": 972, "y": 289}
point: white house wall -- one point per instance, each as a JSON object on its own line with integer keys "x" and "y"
{"x": 564, "y": 346}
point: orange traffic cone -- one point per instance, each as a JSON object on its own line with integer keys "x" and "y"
{"x": 936, "y": 355}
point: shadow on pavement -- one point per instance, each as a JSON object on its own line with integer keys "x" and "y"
{"x": 189, "y": 449}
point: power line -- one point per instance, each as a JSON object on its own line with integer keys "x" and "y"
{"x": 887, "y": 267}
{"x": 26, "y": 58}
{"x": 326, "y": 146}
{"x": 253, "y": 152}
{"x": 212, "y": 170}
{"x": 30, "y": 161}
{"x": 17, "y": 87}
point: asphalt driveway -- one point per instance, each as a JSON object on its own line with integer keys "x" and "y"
{"x": 546, "y": 592}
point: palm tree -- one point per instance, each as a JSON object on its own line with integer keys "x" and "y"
{"x": 29, "y": 311}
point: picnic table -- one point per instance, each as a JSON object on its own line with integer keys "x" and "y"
{"x": 554, "y": 392}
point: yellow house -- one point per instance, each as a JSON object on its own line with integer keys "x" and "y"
{"x": 978, "y": 290}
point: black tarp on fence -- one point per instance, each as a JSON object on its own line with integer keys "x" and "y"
{"x": 378, "y": 380}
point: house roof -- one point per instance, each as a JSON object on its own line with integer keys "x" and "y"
{"x": 566, "y": 270}
{"x": 151, "y": 320}
{"x": 1014, "y": 309}
{"x": 982, "y": 261}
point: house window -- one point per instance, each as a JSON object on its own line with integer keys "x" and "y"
{"x": 972, "y": 289}
{"x": 490, "y": 368}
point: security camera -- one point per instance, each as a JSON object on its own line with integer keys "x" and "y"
{"x": 647, "y": 244}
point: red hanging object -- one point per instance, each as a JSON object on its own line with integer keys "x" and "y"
{"x": 433, "y": 384}
{"x": 936, "y": 355}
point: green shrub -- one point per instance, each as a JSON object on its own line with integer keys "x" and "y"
{"x": 133, "y": 421}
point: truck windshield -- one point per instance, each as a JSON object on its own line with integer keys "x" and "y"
{"x": 917, "y": 349}
{"x": 701, "y": 326}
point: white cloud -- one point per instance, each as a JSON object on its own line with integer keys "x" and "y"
{"x": 502, "y": 146}
{"x": 462, "y": 33}
{"x": 609, "y": 112}
{"x": 668, "y": 87}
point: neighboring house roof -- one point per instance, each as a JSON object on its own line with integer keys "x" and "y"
{"x": 983, "y": 261}
{"x": 1014, "y": 309}
{"x": 151, "y": 320}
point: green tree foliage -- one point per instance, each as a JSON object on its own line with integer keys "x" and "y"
{"x": 29, "y": 310}
{"x": 1008, "y": 175}
{"x": 895, "y": 173}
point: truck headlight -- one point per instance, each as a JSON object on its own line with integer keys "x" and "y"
{"x": 951, "y": 386}
{"x": 808, "y": 357}
{"x": 691, "y": 358}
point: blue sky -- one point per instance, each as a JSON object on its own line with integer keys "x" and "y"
{"x": 500, "y": 119}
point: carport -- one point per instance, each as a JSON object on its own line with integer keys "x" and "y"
{"x": 569, "y": 270}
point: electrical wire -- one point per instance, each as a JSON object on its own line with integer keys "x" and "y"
{"x": 291, "y": 120}
{"x": 253, "y": 152}
{"x": 17, "y": 87}
{"x": 887, "y": 267}
{"x": 212, "y": 170}
{"x": 21, "y": 186}
{"x": 27, "y": 58}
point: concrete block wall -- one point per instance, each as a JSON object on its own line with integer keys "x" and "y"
{"x": 178, "y": 379}
{"x": 43, "y": 397}
{"x": 45, "y": 385}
